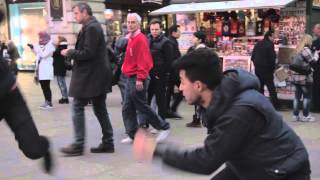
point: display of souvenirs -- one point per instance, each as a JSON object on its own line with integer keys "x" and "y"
{"x": 219, "y": 24}
{"x": 259, "y": 28}
{"x": 242, "y": 28}
{"x": 251, "y": 28}
{"x": 234, "y": 28}
{"x": 226, "y": 28}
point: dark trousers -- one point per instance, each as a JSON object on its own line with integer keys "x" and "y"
{"x": 17, "y": 115}
{"x": 316, "y": 91}
{"x": 302, "y": 174}
{"x": 176, "y": 97}
{"x": 45, "y": 86}
{"x": 266, "y": 78}
{"x": 100, "y": 110}
{"x": 136, "y": 101}
{"x": 157, "y": 87}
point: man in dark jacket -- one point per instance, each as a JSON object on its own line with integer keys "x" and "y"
{"x": 244, "y": 130}
{"x": 174, "y": 34}
{"x": 264, "y": 60}
{"x": 316, "y": 73}
{"x": 161, "y": 52}
{"x": 90, "y": 80}
{"x": 15, "y": 112}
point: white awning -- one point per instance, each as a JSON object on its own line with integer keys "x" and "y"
{"x": 220, "y": 6}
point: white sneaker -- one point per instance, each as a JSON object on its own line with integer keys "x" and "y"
{"x": 163, "y": 134}
{"x": 127, "y": 140}
{"x": 46, "y": 105}
{"x": 154, "y": 131}
{"x": 307, "y": 119}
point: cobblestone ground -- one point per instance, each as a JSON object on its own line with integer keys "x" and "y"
{"x": 56, "y": 124}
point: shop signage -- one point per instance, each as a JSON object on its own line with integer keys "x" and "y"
{"x": 152, "y": 1}
{"x": 56, "y": 10}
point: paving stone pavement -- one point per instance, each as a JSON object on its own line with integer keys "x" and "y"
{"x": 56, "y": 124}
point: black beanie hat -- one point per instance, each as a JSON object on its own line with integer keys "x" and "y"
{"x": 200, "y": 35}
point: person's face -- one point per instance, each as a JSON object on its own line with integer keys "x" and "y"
{"x": 132, "y": 24}
{"x": 155, "y": 30}
{"x": 195, "y": 40}
{"x": 316, "y": 31}
{"x": 190, "y": 90}
{"x": 176, "y": 34}
{"x": 79, "y": 16}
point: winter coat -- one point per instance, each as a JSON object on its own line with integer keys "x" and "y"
{"x": 91, "y": 71}
{"x": 59, "y": 65}
{"x": 7, "y": 80}
{"x": 44, "y": 60}
{"x": 264, "y": 57}
{"x": 245, "y": 132}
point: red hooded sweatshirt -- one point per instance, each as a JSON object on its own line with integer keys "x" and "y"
{"x": 138, "y": 60}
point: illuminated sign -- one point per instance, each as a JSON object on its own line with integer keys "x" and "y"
{"x": 152, "y": 1}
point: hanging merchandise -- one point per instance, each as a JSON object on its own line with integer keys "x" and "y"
{"x": 251, "y": 28}
{"x": 242, "y": 24}
{"x": 226, "y": 25}
{"x": 266, "y": 25}
{"x": 219, "y": 24}
{"x": 234, "y": 28}
{"x": 259, "y": 28}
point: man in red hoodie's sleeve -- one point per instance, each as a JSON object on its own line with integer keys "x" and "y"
{"x": 137, "y": 64}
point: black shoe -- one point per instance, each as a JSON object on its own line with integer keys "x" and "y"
{"x": 72, "y": 150}
{"x": 47, "y": 163}
{"x": 103, "y": 148}
{"x": 64, "y": 101}
{"x": 172, "y": 114}
{"x": 193, "y": 124}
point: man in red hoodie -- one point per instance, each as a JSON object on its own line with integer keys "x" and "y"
{"x": 137, "y": 64}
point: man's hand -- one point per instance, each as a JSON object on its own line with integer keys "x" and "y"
{"x": 139, "y": 85}
{"x": 144, "y": 145}
{"x": 64, "y": 52}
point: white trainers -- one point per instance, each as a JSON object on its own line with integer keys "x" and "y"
{"x": 307, "y": 119}
{"x": 163, "y": 134}
{"x": 127, "y": 140}
{"x": 296, "y": 118}
{"x": 46, "y": 105}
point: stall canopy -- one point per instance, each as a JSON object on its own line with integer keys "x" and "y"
{"x": 220, "y": 6}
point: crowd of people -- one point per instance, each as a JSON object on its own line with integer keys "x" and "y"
{"x": 245, "y": 131}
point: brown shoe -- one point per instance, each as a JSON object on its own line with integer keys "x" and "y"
{"x": 72, "y": 150}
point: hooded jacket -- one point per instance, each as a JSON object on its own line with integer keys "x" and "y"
{"x": 245, "y": 132}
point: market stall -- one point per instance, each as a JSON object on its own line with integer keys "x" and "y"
{"x": 234, "y": 27}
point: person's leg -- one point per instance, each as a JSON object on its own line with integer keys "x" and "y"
{"x": 19, "y": 119}
{"x": 272, "y": 90}
{"x": 62, "y": 86}
{"x": 101, "y": 112}
{"x": 225, "y": 174}
{"x": 160, "y": 93}
{"x": 296, "y": 101}
{"x": 122, "y": 86}
{"x": 261, "y": 80}
{"x": 129, "y": 111}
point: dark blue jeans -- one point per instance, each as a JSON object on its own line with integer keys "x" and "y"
{"x": 137, "y": 101}
{"x": 100, "y": 110}
{"x": 304, "y": 90}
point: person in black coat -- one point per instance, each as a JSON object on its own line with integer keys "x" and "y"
{"x": 14, "y": 110}
{"x": 14, "y": 56}
{"x": 264, "y": 60}
{"x": 91, "y": 80}
{"x": 245, "y": 132}
{"x": 316, "y": 72}
{"x": 60, "y": 69}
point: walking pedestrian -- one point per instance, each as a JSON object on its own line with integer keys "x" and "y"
{"x": 316, "y": 71}
{"x": 90, "y": 80}
{"x": 137, "y": 65}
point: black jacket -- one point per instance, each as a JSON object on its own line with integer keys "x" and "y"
{"x": 245, "y": 132}
{"x": 7, "y": 80}
{"x": 161, "y": 52}
{"x": 91, "y": 71}
{"x": 59, "y": 66}
{"x": 175, "y": 48}
{"x": 264, "y": 56}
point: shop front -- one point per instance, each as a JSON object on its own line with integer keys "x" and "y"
{"x": 234, "y": 27}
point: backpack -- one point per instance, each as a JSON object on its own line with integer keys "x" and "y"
{"x": 300, "y": 65}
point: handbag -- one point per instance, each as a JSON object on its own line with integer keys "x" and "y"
{"x": 300, "y": 65}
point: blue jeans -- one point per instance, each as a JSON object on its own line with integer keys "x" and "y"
{"x": 62, "y": 86}
{"x": 304, "y": 90}
{"x": 137, "y": 101}
{"x": 100, "y": 110}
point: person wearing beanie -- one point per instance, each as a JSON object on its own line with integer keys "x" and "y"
{"x": 198, "y": 40}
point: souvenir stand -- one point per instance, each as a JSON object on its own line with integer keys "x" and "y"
{"x": 234, "y": 27}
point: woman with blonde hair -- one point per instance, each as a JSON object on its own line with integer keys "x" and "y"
{"x": 303, "y": 83}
